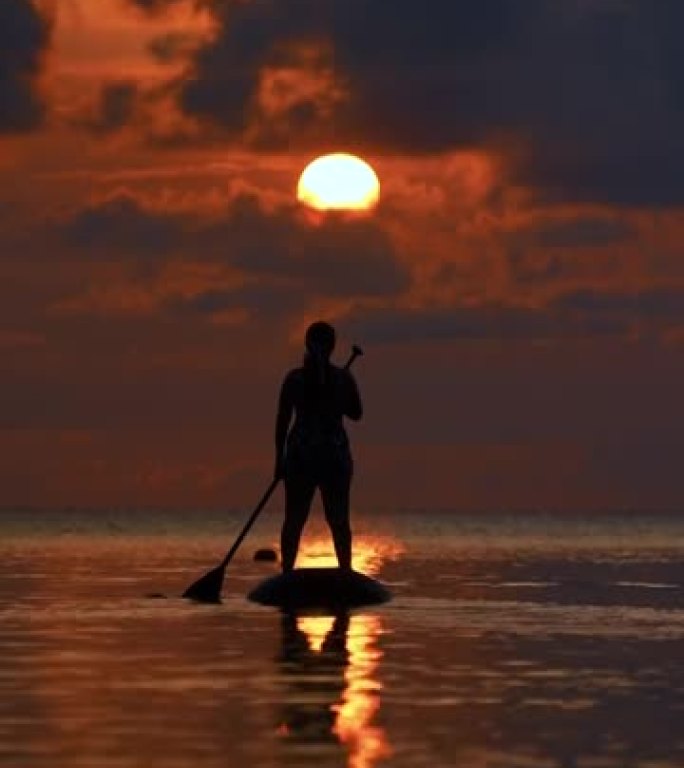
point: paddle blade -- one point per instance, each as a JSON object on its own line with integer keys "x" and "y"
{"x": 208, "y": 588}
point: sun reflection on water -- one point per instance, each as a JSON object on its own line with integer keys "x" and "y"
{"x": 366, "y": 741}
{"x": 368, "y": 556}
{"x": 330, "y": 665}
{"x": 334, "y": 662}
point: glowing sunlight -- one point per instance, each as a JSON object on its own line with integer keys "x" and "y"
{"x": 339, "y": 182}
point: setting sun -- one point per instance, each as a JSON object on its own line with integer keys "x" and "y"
{"x": 339, "y": 182}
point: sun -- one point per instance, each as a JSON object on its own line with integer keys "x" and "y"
{"x": 339, "y": 182}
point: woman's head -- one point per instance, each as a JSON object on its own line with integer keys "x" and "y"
{"x": 320, "y": 339}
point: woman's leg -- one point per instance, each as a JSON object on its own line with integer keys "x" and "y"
{"x": 335, "y": 495}
{"x": 299, "y": 491}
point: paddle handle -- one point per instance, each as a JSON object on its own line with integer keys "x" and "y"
{"x": 356, "y": 352}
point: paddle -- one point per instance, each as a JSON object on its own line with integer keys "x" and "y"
{"x": 207, "y": 589}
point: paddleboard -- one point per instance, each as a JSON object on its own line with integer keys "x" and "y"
{"x": 325, "y": 588}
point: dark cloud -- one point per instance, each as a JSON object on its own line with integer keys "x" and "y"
{"x": 279, "y": 249}
{"x": 582, "y": 232}
{"x": 173, "y": 46}
{"x": 402, "y": 68}
{"x": 586, "y": 314}
{"x": 115, "y": 109}
{"x": 556, "y": 249}
{"x": 122, "y": 226}
{"x": 560, "y": 266}
{"x": 590, "y": 94}
{"x": 155, "y": 6}
{"x": 271, "y": 300}
{"x": 479, "y": 323}
{"x": 650, "y": 304}
{"x": 339, "y": 257}
{"x": 24, "y": 37}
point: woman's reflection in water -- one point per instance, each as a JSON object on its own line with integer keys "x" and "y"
{"x": 328, "y": 667}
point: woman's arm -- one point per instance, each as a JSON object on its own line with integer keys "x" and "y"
{"x": 353, "y": 407}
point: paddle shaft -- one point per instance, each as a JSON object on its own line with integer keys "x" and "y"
{"x": 250, "y": 522}
{"x": 356, "y": 352}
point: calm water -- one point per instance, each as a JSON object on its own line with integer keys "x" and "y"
{"x": 512, "y": 641}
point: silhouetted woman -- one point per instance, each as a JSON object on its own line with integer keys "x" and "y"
{"x": 315, "y": 452}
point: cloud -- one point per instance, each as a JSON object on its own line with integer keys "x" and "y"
{"x": 122, "y": 226}
{"x": 155, "y": 6}
{"x": 173, "y": 46}
{"x": 289, "y": 264}
{"x": 24, "y": 37}
{"x": 648, "y": 304}
{"x": 393, "y": 69}
{"x": 582, "y": 232}
{"x": 588, "y": 96}
{"x": 579, "y": 314}
{"x": 478, "y": 323}
{"x": 272, "y": 300}
{"x": 577, "y": 247}
{"x": 268, "y": 261}
{"x": 115, "y": 108}
{"x": 339, "y": 257}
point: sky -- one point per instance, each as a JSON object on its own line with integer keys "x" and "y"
{"x": 519, "y": 290}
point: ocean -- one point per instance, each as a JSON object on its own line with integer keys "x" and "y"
{"x": 513, "y": 641}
